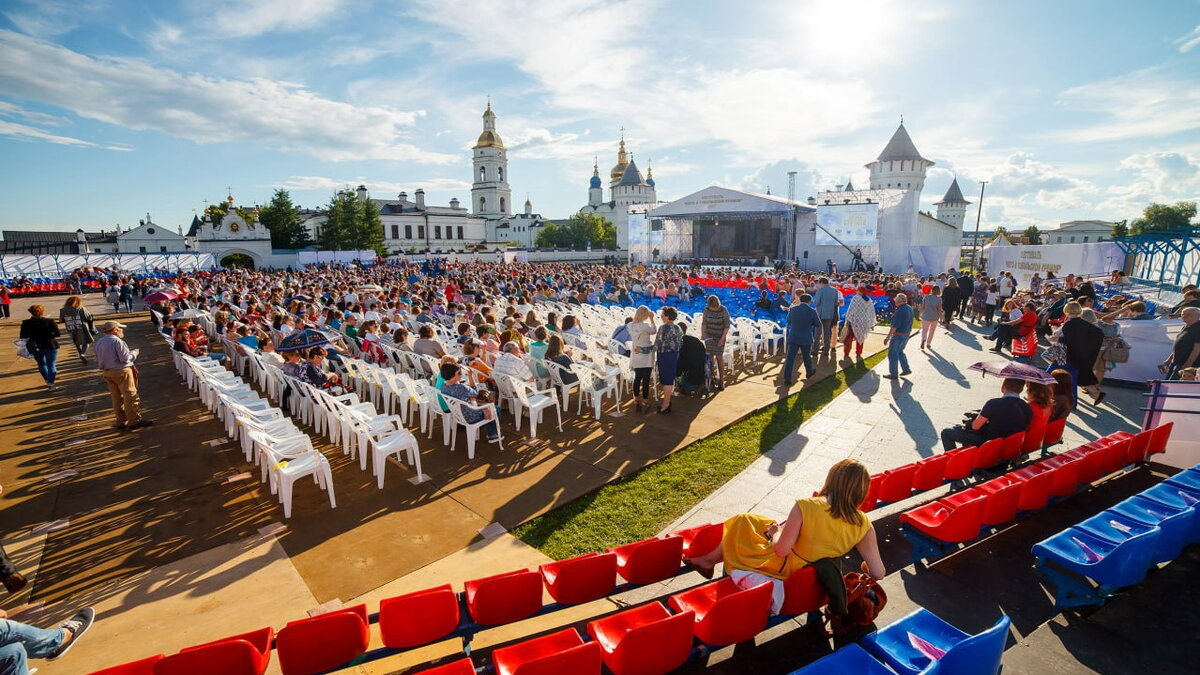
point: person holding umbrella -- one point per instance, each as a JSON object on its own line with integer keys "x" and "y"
{"x": 999, "y": 418}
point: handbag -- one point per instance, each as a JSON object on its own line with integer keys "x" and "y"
{"x": 1116, "y": 349}
{"x": 22, "y": 346}
{"x": 865, "y": 599}
{"x": 1055, "y": 353}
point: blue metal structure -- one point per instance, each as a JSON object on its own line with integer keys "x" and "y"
{"x": 1168, "y": 259}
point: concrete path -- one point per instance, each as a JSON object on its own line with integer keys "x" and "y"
{"x": 888, "y": 423}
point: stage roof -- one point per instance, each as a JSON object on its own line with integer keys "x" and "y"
{"x": 716, "y": 200}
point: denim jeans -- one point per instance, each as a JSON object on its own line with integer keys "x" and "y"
{"x": 47, "y": 363}
{"x": 952, "y": 438}
{"x": 790, "y": 363}
{"x": 20, "y": 642}
{"x": 896, "y": 354}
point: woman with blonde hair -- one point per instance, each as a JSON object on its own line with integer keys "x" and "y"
{"x": 641, "y": 355}
{"x": 79, "y": 324}
{"x": 755, "y": 548}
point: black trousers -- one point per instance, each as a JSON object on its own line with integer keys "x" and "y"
{"x": 952, "y": 437}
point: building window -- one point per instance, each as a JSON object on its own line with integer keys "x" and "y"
{"x": 1085, "y": 238}
{"x": 420, "y": 231}
{"x": 482, "y": 173}
{"x": 483, "y": 203}
{"x": 162, "y": 249}
{"x": 500, "y": 172}
{"x": 408, "y": 231}
{"x": 141, "y": 249}
{"x": 1072, "y": 239}
{"x": 460, "y": 232}
{"x": 395, "y": 232}
{"x": 502, "y": 205}
{"x": 437, "y": 231}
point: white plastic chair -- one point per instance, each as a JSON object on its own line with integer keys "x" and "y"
{"x": 459, "y": 419}
{"x": 594, "y": 387}
{"x": 396, "y": 443}
{"x": 556, "y": 377}
{"x": 535, "y": 401}
{"x": 286, "y": 469}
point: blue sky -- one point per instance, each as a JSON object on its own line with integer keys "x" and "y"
{"x": 110, "y": 109}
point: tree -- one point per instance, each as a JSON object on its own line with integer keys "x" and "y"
{"x": 370, "y": 228}
{"x": 352, "y": 225}
{"x": 1034, "y": 235}
{"x": 282, "y": 219}
{"x": 1120, "y": 228}
{"x": 999, "y": 232}
{"x": 1164, "y": 217}
{"x": 578, "y": 232}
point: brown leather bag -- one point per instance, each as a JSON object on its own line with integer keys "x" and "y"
{"x": 865, "y": 598}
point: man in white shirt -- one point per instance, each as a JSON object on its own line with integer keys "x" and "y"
{"x": 509, "y": 363}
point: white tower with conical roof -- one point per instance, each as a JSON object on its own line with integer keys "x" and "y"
{"x": 952, "y": 208}
{"x": 490, "y": 195}
{"x": 900, "y": 165}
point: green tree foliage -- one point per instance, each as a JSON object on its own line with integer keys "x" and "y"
{"x": 282, "y": 219}
{"x": 1120, "y": 228}
{"x": 1164, "y": 217}
{"x": 580, "y": 230}
{"x": 352, "y": 225}
{"x": 1034, "y": 235}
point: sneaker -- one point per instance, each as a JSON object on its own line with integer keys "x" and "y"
{"x": 889, "y": 377}
{"x": 141, "y": 424}
{"x": 51, "y": 387}
{"x": 493, "y": 439}
{"x": 905, "y": 372}
{"x": 78, "y": 625}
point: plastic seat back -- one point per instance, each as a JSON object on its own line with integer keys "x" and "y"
{"x": 870, "y": 501}
{"x": 848, "y": 659}
{"x": 1035, "y": 435}
{"x": 979, "y": 654}
{"x": 651, "y": 560}
{"x": 1139, "y": 445}
{"x": 1158, "y": 439}
{"x": 1010, "y": 449}
{"x": 504, "y": 598}
{"x": 553, "y": 654}
{"x": 1114, "y": 564}
{"x": 140, "y": 667}
{"x": 931, "y": 472}
{"x": 726, "y": 614}
{"x": 418, "y": 618}
{"x": 989, "y": 454}
{"x": 1035, "y": 491}
{"x": 323, "y": 642}
{"x": 1054, "y": 432}
{"x": 459, "y": 667}
{"x": 646, "y": 640}
{"x": 1066, "y": 478}
{"x": 230, "y": 657}
{"x": 581, "y": 579}
{"x": 1113, "y": 457}
{"x": 803, "y": 592}
{"x": 1176, "y": 525}
{"x": 698, "y": 541}
{"x": 1003, "y": 498}
{"x": 895, "y": 484}
{"x": 961, "y": 463}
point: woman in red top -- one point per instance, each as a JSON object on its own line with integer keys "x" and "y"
{"x": 5, "y": 302}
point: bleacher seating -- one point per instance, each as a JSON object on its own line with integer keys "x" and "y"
{"x": 1117, "y": 547}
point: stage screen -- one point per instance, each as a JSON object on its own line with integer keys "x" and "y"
{"x": 853, "y": 224}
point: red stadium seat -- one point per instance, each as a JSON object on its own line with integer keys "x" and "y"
{"x": 1091, "y": 461}
{"x": 459, "y": 667}
{"x": 553, "y": 654}
{"x": 1025, "y": 346}
{"x": 961, "y": 462}
{"x": 323, "y": 642}
{"x": 931, "y": 472}
{"x": 141, "y": 667}
{"x": 1011, "y": 448}
{"x": 1139, "y": 444}
{"x": 726, "y": 614}
{"x": 1158, "y": 440}
{"x": 869, "y": 502}
{"x": 1066, "y": 474}
{"x": 1054, "y": 433}
{"x": 698, "y": 541}
{"x": 1113, "y": 457}
{"x": 951, "y": 523}
{"x": 895, "y": 484}
{"x": 646, "y": 640}
{"x": 504, "y": 598}
{"x": 803, "y": 592}
{"x": 581, "y": 579}
{"x": 1036, "y": 482}
{"x": 418, "y": 618}
{"x": 1004, "y": 494}
{"x": 651, "y": 560}
{"x": 230, "y": 657}
{"x": 989, "y": 453}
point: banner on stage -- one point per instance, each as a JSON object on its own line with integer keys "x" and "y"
{"x": 60, "y": 265}
{"x": 1062, "y": 259}
{"x": 848, "y": 224}
{"x": 340, "y": 257}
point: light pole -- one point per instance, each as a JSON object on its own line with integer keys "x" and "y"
{"x": 978, "y": 214}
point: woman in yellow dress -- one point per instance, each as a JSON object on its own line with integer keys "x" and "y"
{"x": 755, "y": 548}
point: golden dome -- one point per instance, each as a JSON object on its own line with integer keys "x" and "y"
{"x": 622, "y": 161}
{"x": 489, "y": 139}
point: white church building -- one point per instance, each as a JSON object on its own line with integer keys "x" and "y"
{"x": 626, "y": 188}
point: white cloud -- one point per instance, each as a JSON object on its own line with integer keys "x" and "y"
{"x": 1188, "y": 42}
{"x": 26, "y": 132}
{"x": 50, "y": 18}
{"x": 249, "y": 18}
{"x": 378, "y": 189}
{"x": 1144, "y": 103}
{"x": 136, "y": 95}
{"x": 1167, "y": 173}
{"x": 12, "y": 110}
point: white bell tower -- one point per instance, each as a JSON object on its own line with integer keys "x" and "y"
{"x": 490, "y": 195}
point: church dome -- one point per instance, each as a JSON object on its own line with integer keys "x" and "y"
{"x": 489, "y": 139}
{"x": 595, "y": 182}
{"x": 618, "y": 170}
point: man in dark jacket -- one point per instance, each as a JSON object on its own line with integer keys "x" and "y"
{"x": 803, "y": 322}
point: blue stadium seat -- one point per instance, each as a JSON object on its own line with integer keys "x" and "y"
{"x": 1111, "y": 565}
{"x": 1189, "y": 479}
{"x": 848, "y": 659}
{"x": 1179, "y": 498}
{"x": 964, "y": 654}
{"x": 1176, "y": 524}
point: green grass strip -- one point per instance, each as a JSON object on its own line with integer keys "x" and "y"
{"x": 641, "y": 505}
